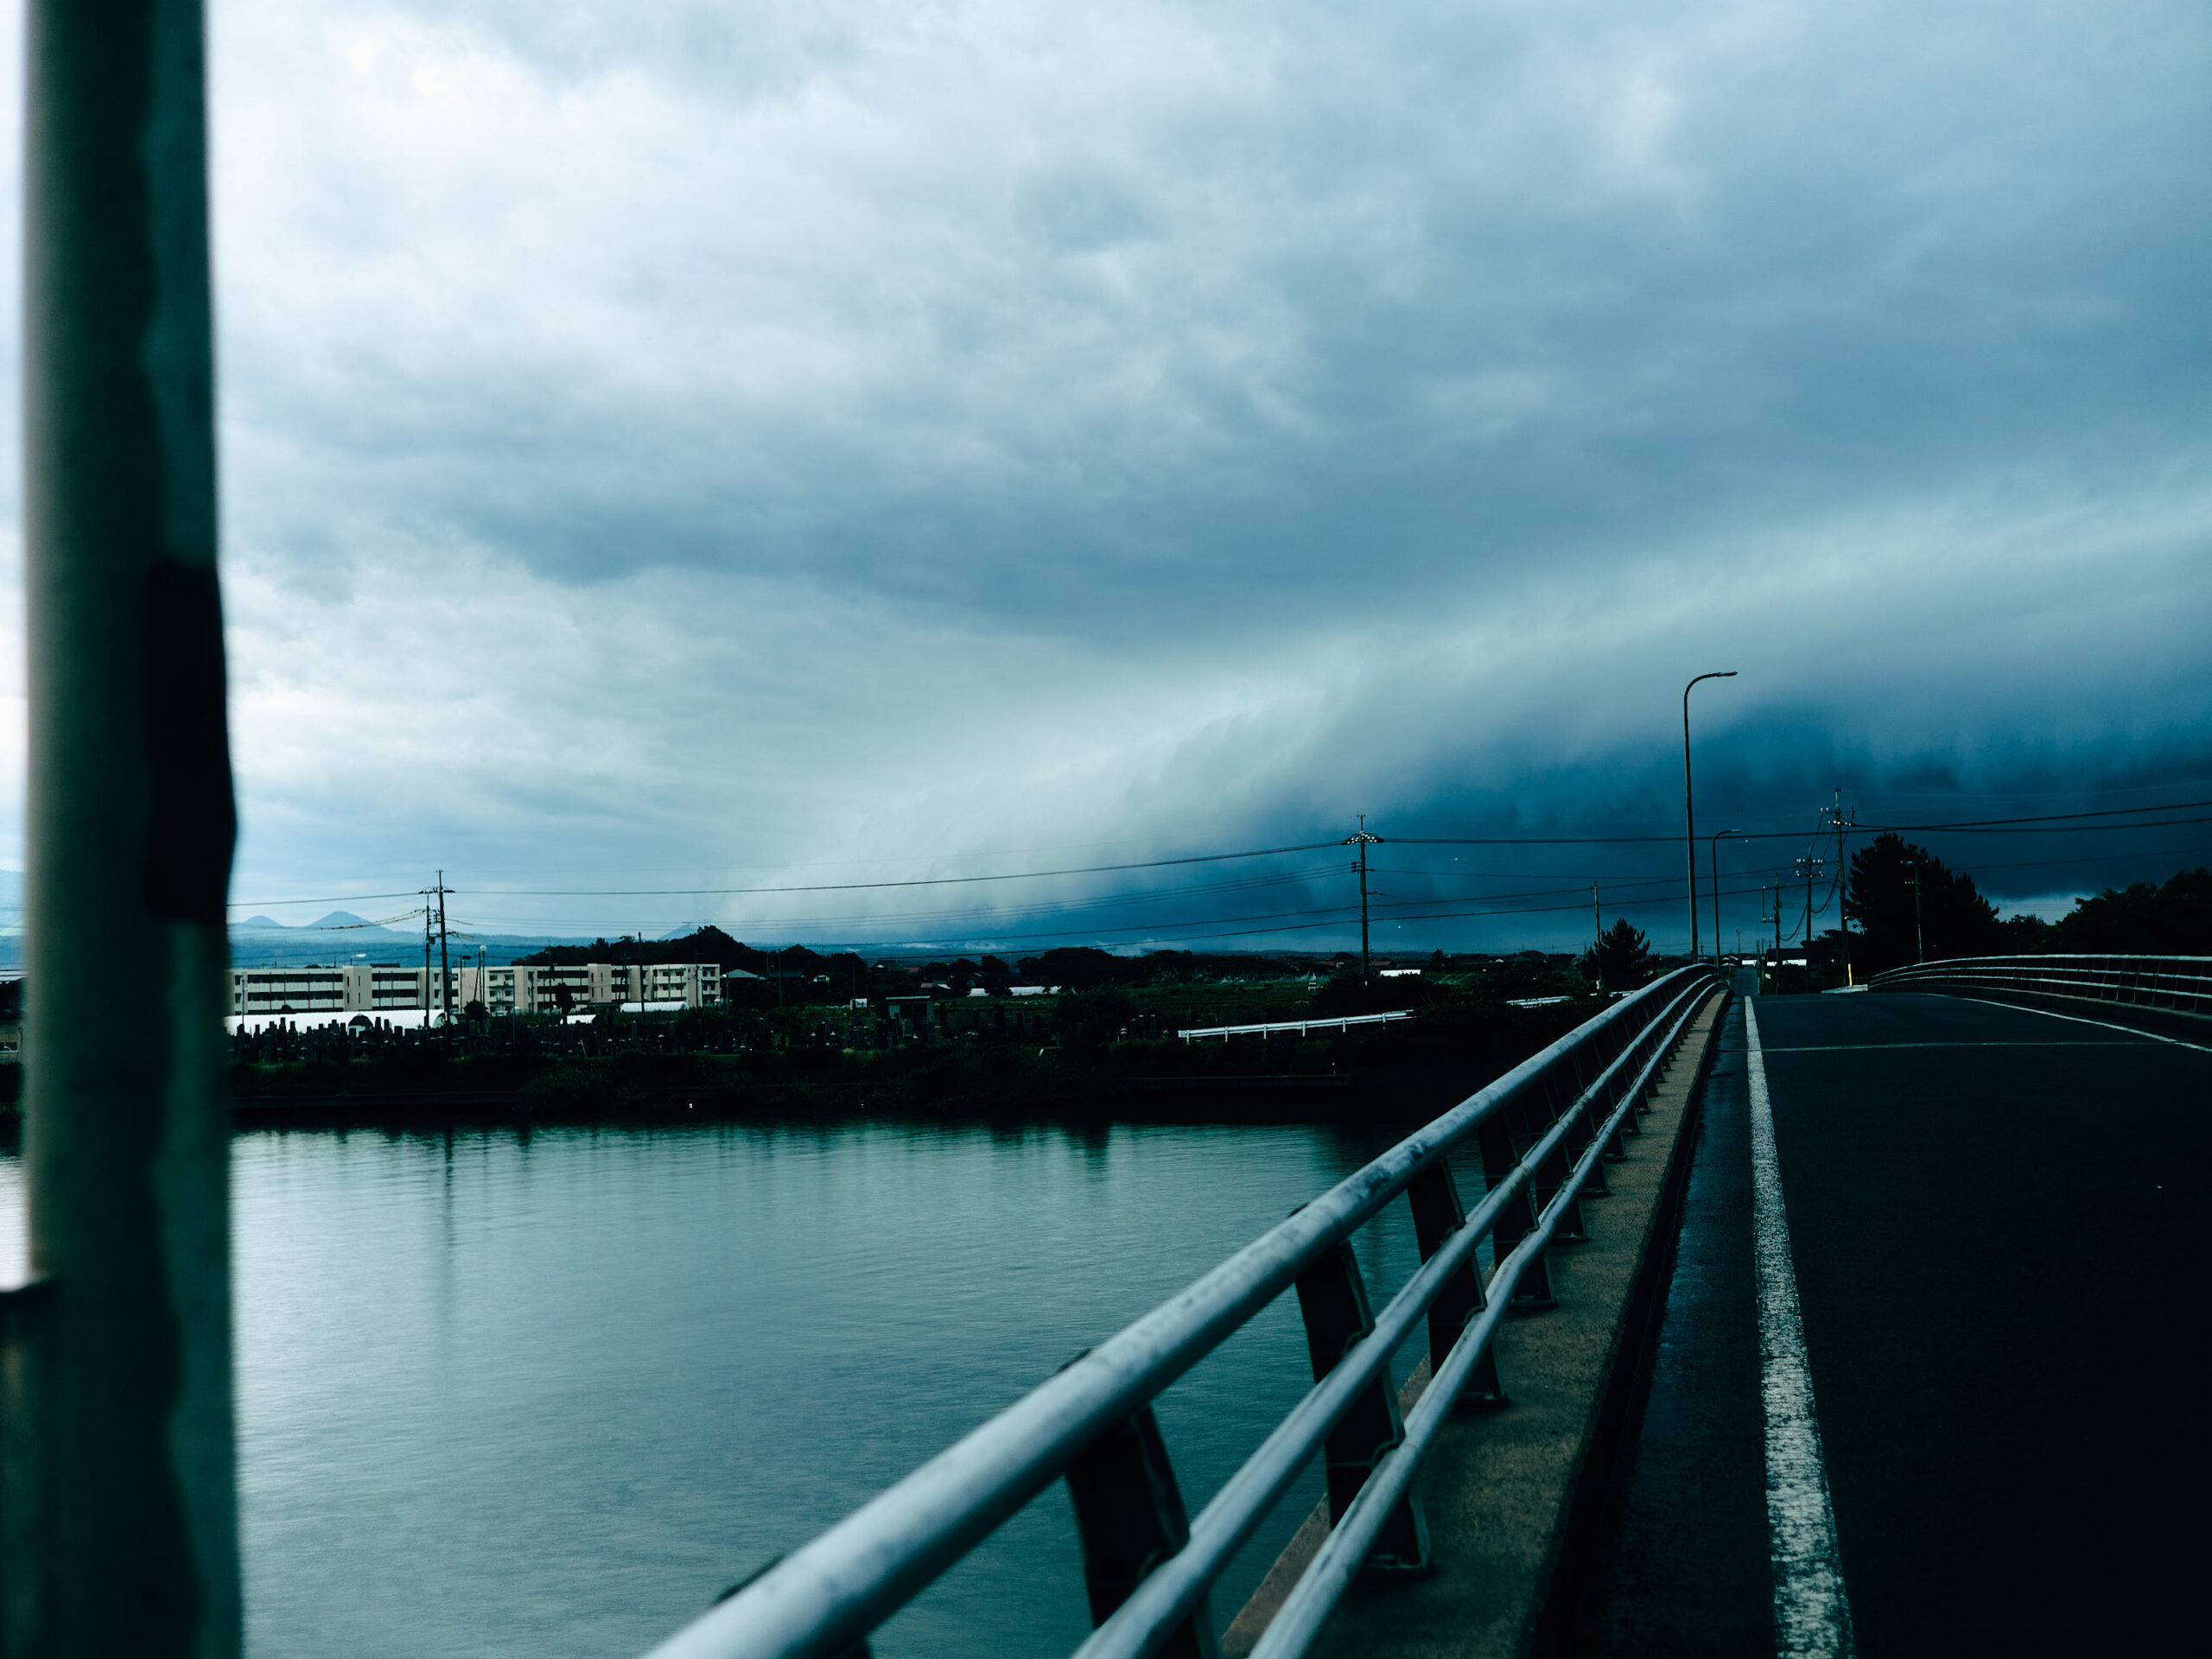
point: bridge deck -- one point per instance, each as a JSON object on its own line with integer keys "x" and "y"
{"x": 1998, "y": 1221}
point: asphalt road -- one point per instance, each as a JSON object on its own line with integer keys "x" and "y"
{"x": 1998, "y": 1222}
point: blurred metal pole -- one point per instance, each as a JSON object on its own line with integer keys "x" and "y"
{"x": 1689, "y": 811}
{"x": 130, "y": 834}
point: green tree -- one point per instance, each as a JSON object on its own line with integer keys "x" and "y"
{"x": 1345, "y": 992}
{"x": 2173, "y": 920}
{"x": 1621, "y": 958}
{"x": 1947, "y": 919}
{"x": 1089, "y": 1019}
{"x": 998, "y": 978}
{"x": 1078, "y": 967}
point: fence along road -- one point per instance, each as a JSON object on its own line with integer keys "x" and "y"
{"x": 1998, "y": 1224}
{"x": 1541, "y": 1131}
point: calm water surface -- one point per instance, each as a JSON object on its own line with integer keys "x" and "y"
{"x": 547, "y": 1394}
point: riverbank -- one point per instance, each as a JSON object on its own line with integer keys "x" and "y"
{"x": 1406, "y": 1072}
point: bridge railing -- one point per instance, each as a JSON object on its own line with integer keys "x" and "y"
{"x": 1303, "y": 1027}
{"x": 2166, "y": 984}
{"x": 1543, "y": 1131}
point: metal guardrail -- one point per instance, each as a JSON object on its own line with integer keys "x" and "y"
{"x": 1543, "y": 1131}
{"x": 2168, "y": 984}
{"x": 1301, "y": 1026}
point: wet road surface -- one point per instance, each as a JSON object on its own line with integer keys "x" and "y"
{"x": 1998, "y": 1222}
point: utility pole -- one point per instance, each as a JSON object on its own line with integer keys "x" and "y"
{"x": 445, "y": 962}
{"x": 1689, "y": 813}
{"x": 1597, "y": 924}
{"x": 1919, "y": 933}
{"x": 1834, "y": 815}
{"x": 1363, "y": 841}
{"x": 428, "y": 916}
{"x": 1808, "y": 867}
{"x": 122, "y": 1533}
{"x": 1716, "y": 891}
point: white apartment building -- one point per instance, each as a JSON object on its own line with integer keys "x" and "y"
{"x": 363, "y": 988}
{"x": 379, "y": 988}
{"x": 536, "y": 988}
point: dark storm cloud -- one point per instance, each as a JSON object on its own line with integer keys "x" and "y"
{"x": 739, "y": 437}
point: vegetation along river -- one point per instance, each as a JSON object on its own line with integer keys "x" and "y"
{"x": 505, "y": 1394}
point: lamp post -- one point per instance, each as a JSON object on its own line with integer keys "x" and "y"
{"x": 1689, "y": 816}
{"x": 1715, "y": 851}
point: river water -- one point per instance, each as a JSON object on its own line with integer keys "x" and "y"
{"x": 505, "y": 1394}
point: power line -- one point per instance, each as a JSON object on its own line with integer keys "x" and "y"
{"x": 826, "y": 886}
{"x": 2091, "y": 822}
{"x": 2058, "y": 821}
{"x": 2036, "y": 829}
{"x": 864, "y": 886}
{"x": 342, "y": 898}
{"x": 2020, "y": 794}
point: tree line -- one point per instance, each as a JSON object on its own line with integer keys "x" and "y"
{"x": 1904, "y": 905}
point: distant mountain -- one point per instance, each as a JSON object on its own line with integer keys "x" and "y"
{"x": 337, "y": 921}
{"x": 346, "y": 918}
{"x": 262, "y": 940}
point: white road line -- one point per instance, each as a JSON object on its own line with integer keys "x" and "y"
{"x": 2079, "y": 1019}
{"x": 1812, "y": 1614}
{"x": 1861, "y": 1048}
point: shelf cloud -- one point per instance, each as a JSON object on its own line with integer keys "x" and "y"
{"x": 672, "y": 448}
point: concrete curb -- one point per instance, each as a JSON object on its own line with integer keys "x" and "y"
{"x": 1515, "y": 1497}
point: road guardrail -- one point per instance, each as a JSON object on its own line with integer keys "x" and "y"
{"x": 1543, "y": 1131}
{"x": 2164, "y": 984}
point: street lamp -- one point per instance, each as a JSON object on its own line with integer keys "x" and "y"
{"x": 1689, "y": 816}
{"x": 1716, "y": 890}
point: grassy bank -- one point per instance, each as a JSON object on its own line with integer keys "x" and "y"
{"x": 1100, "y": 1057}
{"x": 1406, "y": 1071}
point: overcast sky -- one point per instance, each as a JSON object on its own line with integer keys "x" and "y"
{"x": 702, "y": 446}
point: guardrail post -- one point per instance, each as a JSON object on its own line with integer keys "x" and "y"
{"x": 1632, "y": 1120}
{"x": 1128, "y": 1513}
{"x": 1517, "y": 1218}
{"x": 1332, "y": 1297}
{"x": 1551, "y": 1175}
{"x": 1437, "y": 1214}
{"x": 1588, "y": 1115}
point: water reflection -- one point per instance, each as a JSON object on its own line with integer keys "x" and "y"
{"x": 506, "y": 1394}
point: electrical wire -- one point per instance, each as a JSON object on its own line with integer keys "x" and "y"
{"x": 2049, "y": 819}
